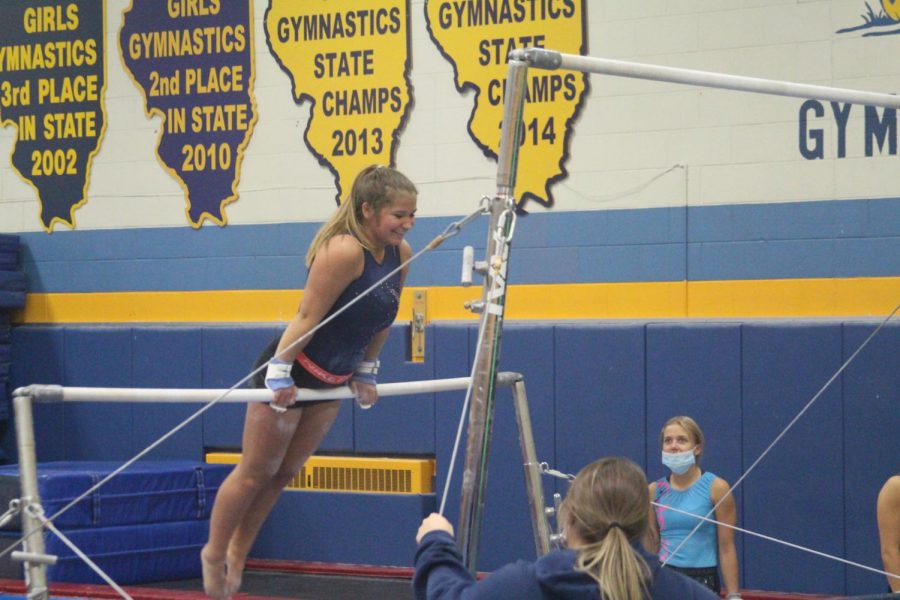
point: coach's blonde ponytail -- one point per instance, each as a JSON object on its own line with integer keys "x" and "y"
{"x": 607, "y": 508}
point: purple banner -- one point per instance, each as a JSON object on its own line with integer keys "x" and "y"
{"x": 194, "y": 64}
{"x": 52, "y": 83}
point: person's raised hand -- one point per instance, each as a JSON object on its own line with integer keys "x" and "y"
{"x": 433, "y": 522}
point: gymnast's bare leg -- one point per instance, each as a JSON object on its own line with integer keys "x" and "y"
{"x": 275, "y": 447}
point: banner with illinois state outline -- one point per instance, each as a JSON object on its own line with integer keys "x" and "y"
{"x": 194, "y": 64}
{"x": 52, "y": 86}
{"x": 351, "y": 61}
{"x": 476, "y": 36}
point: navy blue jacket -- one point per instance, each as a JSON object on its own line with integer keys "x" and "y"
{"x": 441, "y": 575}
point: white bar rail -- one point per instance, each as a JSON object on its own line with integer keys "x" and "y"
{"x": 58, "y": 393}
{"x": 551, "y": 59}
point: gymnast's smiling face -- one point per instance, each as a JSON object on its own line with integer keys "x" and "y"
{"x": 388, "y": 225}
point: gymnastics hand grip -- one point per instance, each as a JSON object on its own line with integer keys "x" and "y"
{"x": 278, "y": 374}
{"x": 365, "y": 372}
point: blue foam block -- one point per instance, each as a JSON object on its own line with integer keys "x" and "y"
{"x": 146, "y": 492}
{"x": 12, "y": 299}
{"x": 12, "y": 280}
{"x": 128, "y": 554}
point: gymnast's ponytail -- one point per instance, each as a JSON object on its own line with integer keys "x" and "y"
{"x": 607, "y": 510}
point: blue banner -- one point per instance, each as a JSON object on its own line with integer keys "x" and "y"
{"x": 52, "y": 83}
{"x": 193, "y": 62}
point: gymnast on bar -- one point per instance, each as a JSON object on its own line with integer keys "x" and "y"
{"x": 604, "y": 518}
{"x": 362, "y": 243}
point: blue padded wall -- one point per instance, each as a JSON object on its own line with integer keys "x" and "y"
{"x": 795, "y": 492}
{"x": 368, "y": 529}
{"x": 599, "y": 388}
{"x": 98, "y": 356}
{"x": 453, "y": 360}
{"x": 228, "y": 355}
{"x": 38, "y": 357}
{"x": 594, "y": 388}
{"x": 167, "y": 357}
{"x": 871, "y": 398}
{"x": 506, "y": 532}
{"x": 695, "y": 370}
{"x": 402, "y": 424}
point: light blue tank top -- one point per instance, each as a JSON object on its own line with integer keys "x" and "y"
{"x": 701, "y": 549}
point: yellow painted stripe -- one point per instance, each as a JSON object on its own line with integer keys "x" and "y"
{"x": 161, "y": 307}
{"x": 870, "y": 297}
{"x": 696, "y": 299}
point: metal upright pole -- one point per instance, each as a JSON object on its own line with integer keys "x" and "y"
{"x": 493, "y": 300}
{"x": 35, "y": 572}
{"x": 533, "y": 481}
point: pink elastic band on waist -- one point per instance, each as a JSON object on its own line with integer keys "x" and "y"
{"x": 320, "y": 373}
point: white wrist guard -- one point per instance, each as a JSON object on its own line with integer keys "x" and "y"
{"x": 366, "y": 371}
{"x": 278, "y": 374}
{"x": 368, "y": 366}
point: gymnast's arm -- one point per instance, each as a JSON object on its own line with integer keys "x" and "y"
{"x": 336, "y": 265}
{"x": 888, "y": 510}
{"x": 364, "y": 386}
{"x": 726, "y": 513}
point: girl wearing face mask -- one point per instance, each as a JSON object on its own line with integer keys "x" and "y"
{"x": 689, "y": 488}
